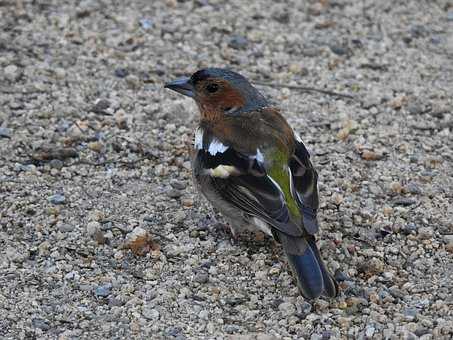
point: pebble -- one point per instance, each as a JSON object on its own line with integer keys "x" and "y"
{"x": 404, "y": 201}
{"x": 410, "y": 314}
{"x": 11, "y": 72}
{"x": 41, "y": 324}
{"x": 450, "y": 15}
{"x": 65, "y": 228}
{"x": 448, "y": 239}
{"x": 339, "y": 50}
{"x": 5, "y": 132}
{"x": 369, "y": 331}
{"x": 121, "y": 72}
{"x": 174, "y": 193}
{"x": 92, "y": 228}
{"x": 150, "y": 313}
{"x": 57, "y": 199}
{"x": 56, "y": 164}
{"x": 103, "y": 291}
{"x": 201, "y": 277}
{"x": 425, "y": 233}
{"x": 238, "y": 42}
{"x": 287, "y": 308}
{"x": 178, "y": 184}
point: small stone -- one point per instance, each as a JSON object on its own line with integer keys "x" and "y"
{"x": 5, "y": 132}
{"x": 448, "y": 239}
{"x": 396, "y": 187}
{"x": 146, "y": 23}
{"x": 339, "y": 50}
{"x": 103, "y": 291}
{"x": 174, "y": 193}
{"x": 372, "y": 267}
{"x": 11, "y": 72}
{"x": 410, "y": 314}
{"x": 450, "y": 15}
{"x": 121, "y": 72}
{"x": 415, "y": 108}
{"x": 281, "y": 16}
{"x": 238, "y": 42}
{"x": 115, "y": 302}
{"x": 101, "y": 106}
{"x": 349, "y": 127}
{"x": 178, "y": 184}
{"x": 201, "y": 277}
{"x": 298, "y": 68}
{"x": 398, "y": 102}
{"x": 340, "y": 276}
{"x": 65, "y": 228}
{"x": 133, "y": 81}
{"x": 337, "y": 199}
{"x": 369, "y": 331}
{"x": 96, "y": 146}
{"x": 187, "y": 202}
{"x": 412, "y": 188}
{"x": 161, "y": 170}
{"x": 203, "y": 315}
{"x": 287, "y": 308}
{"x": 230, "y": 329}
{"x": 409, "y": 228}
{"x": 56, "y": 164}
{"x": 425, "y": 233}
{"x": 40, "y": 323}
{"x": 92, "y": 228}
{"x": 370, "y": 155}
{"x": 139, "y": 241}
{"x": 150, "y": 313}
{"x": 404, "y": 201}
{"x": 306, "y": 307}
{"x": 57, "y": 199}
{"x": 121, "y": 120}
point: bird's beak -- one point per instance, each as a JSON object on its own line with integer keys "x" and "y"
{"x": 182, "y": 85}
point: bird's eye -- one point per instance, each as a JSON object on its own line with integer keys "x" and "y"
{"x": 212, "y": 88}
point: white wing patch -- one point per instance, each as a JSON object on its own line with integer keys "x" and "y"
{"x": 296, "y": 135}
{"x": 259, "y": 156}
{"x": 199, "y": 139}
{"x": 216, "y": 147}
{"x": 222, "y": 171}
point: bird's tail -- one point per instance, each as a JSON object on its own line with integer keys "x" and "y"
{"x": 305, "y": 261}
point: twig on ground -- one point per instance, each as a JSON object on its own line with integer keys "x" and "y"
{"x": 306, "y": 89}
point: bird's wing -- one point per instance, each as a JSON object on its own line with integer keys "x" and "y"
{"x": 305, "y": 188}
{"x": 242, "y": 180}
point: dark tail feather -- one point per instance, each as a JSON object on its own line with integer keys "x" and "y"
{"x": 312, "y": 277}
{"x": 330, "y": 284}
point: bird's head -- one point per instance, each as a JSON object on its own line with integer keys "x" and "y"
{"x": 219, "y": 91}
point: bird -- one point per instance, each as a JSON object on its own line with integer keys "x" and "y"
{"x": 256, "y": 171}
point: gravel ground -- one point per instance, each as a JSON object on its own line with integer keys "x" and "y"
{"x": 101, "y": 232}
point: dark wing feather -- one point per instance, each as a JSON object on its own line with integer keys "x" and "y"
{"x": 305, "y": 180}
{"x": 252, "y": 191}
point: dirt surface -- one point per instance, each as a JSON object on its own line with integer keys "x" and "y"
{"x": 101, "y": 233}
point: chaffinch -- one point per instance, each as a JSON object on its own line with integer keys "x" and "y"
{"x": 256, "y": 171}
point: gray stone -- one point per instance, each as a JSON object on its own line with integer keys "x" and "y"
{"x": 57, "y": 199}
{"x": 5, "y": 132}
{"x": 40, "y": 323}
{"x": 150, "y": 313}
{"x": 103, "y": 291}
{"x": 238, "y": 42}
{"x": 287, "y": 308}
{"x": 201, "y": 277}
